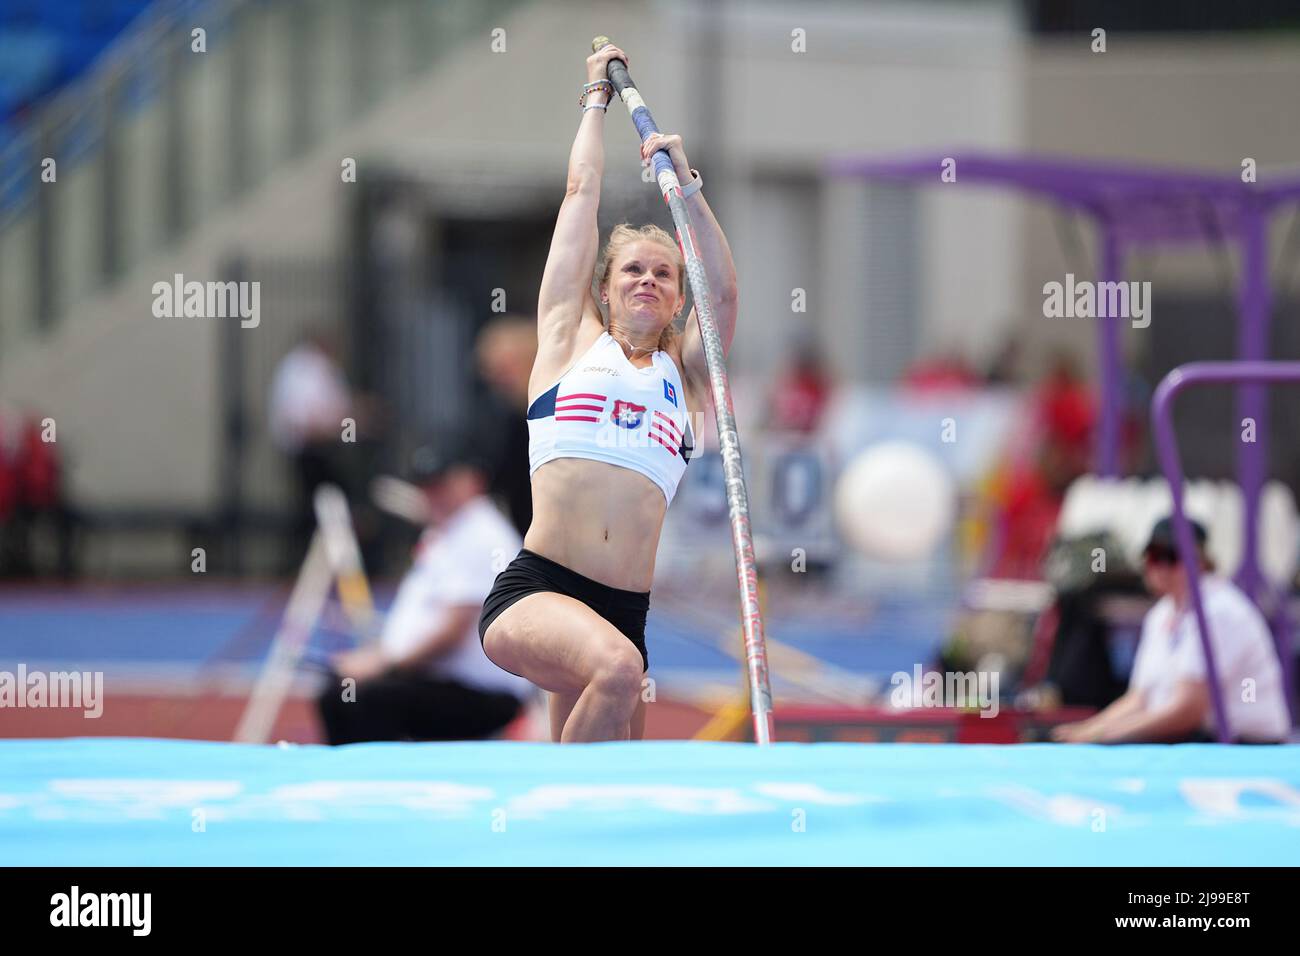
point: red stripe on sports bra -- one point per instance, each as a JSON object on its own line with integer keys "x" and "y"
{"x": 575, "y": 418}
{"x": 565, "y": 398}
{"x": 580, "y": 408}
{"x": 664, "y": 443}
{"x": 667, "y": 434}
{"x": 672, "y": 428}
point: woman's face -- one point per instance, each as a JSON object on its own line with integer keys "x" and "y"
{"x": 642, "y": 285}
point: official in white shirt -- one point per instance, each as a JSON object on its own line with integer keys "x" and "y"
{"x": 1168, "y": 698}
{"x": 307, "y": 403}
{"x": 429, "y": 678}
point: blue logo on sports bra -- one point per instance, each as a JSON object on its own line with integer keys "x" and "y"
{"x": 670, "y": 393}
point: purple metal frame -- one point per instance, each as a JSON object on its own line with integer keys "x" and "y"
{"x": 1134, "y": 207}
{"x": 1140, "y": 207}
{"x": 1162, "y": 425}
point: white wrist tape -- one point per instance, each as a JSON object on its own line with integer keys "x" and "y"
{"x": 691, "y": 188}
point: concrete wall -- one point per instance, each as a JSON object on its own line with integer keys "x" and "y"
{"x": 1185, "y": 102}
{"x": 135, "y": 396}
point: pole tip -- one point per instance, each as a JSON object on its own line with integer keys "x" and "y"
{"x": 599, "y": 42}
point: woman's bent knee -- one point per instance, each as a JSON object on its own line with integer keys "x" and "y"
{"x": 618, "y": 671}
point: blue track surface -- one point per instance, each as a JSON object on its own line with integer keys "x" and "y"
{"x": 183, "y": 627}
{"x": 89, "y": 802}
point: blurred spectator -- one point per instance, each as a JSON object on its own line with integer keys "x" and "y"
{"x": 1065, "y": 411}
{"x": 428, "y": 679}
{"x": 309, "y": 399}
{"x": 802, "y": 391}
{"x": 1072, "y": 662}
{"x": 30, "y": 494}
{"x": 941, "y": 373}
{"x": 505, "y": 351}
{"x": 1025, "y": 522}
{"x": 1168, "y": 699}
{"x": 1005, "y": 369}
{"x": 1054, "y": 450}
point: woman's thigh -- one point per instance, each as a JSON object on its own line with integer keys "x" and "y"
{"x": 556, "y": 641}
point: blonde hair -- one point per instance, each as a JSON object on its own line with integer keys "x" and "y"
{"x": 622, "y": 236}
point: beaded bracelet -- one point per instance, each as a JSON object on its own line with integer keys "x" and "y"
{"x": 596, "y": 106}
{"x": 588, "y": 88}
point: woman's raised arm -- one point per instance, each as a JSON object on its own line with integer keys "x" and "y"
{"x": 566, "y": 280}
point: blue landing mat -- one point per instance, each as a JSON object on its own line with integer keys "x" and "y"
{"x": 152, "y": 802}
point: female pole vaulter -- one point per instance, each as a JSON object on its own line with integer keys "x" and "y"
{"x": 611, "y": 398}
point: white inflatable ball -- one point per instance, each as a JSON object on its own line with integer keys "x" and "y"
{"x": 895, "y": 502}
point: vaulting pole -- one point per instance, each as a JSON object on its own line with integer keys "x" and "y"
{"x": 751, "y": 618}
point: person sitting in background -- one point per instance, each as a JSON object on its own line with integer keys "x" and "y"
{"x": 429, "y": 679}
{"x": 1168, "y": 698}
{"x": 505, "y": 351}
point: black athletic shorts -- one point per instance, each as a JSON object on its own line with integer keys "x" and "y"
{"x": 530, "y": 573}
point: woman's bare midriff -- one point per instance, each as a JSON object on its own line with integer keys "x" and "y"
{"x": 597, "y": 519}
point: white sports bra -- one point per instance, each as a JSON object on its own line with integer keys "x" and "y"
{"x": 606, "y": 409}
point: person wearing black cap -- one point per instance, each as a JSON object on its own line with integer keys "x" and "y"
{"x": 1168, "y": 698}
{"x": 429, "y": 679}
